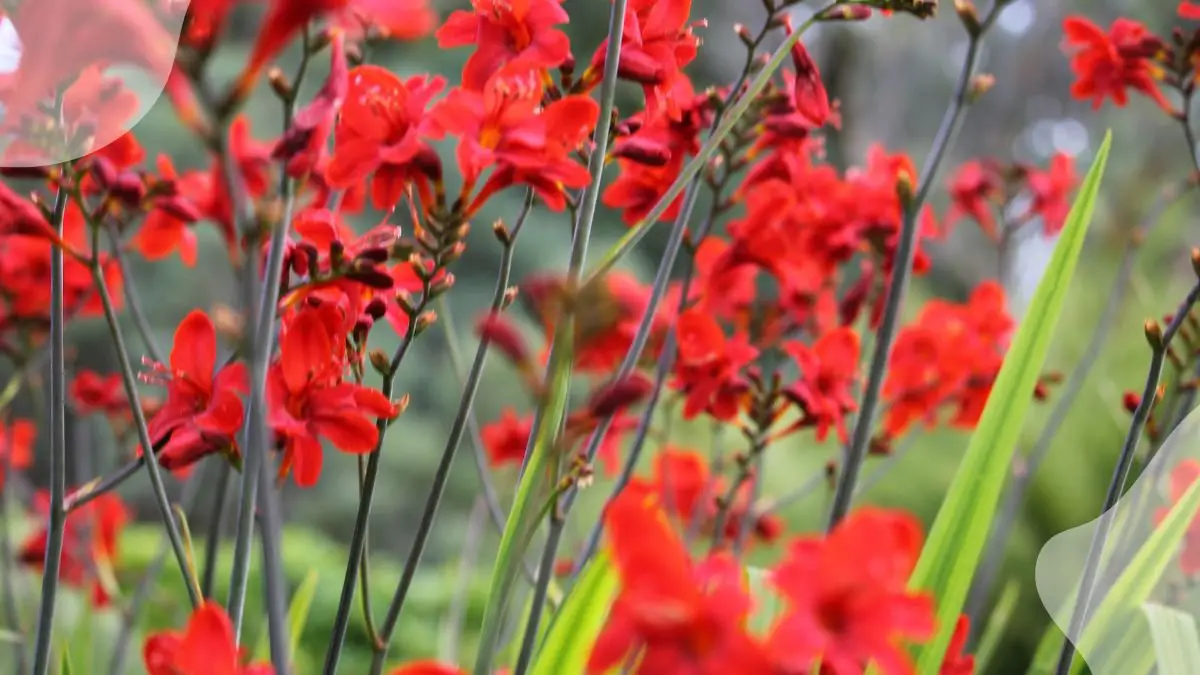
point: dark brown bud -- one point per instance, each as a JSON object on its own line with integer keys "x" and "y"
{"x": 403, "y": 248}
{"x": 454, "y": 253}
{"x": 280, "y": 85}
{"x": 371, "y": 276}
{"x": 441, "y": 285}
{"x": 380, "y": 362}
{"x": 427, "y": 319}
{"x": 502, "y": 233}
{"x": 1196, "y": 261}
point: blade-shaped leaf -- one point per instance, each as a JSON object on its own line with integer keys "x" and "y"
{"x": 1176, "y": 643}
{"x": 298, "y": 612}
{"x": 956, "y": 541}
{"x": 997, "y": 623}
{"x": 569, "y": 639}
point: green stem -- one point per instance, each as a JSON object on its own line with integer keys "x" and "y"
{"x": 212, "y": 541}
{"x": 58, "y": 451}
{"x": 442, "y": 474}
{"x": 552, "y": 408}
{"x": 133, "y": 301}
{"x": 864, "y": 424}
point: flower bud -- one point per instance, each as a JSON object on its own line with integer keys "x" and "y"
{"x": 502, "y": 233}
{"x": 1154, "y": 334}
{"x": 642, "y": 151}
{"x": 616, "y": 396}
{"x": 103, "y": 171}
{"x": 280, "y": 85}
{"x": 179, "y": 208}
{"x": 427, "y": 319}
{"x": 980, "y": 85}
{"x": 969, "y": 17}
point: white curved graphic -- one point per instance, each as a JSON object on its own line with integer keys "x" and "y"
{"x": 77, "y": 75}
{"x": 1143, "y": 566}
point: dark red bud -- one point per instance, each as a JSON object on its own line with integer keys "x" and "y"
{"x": 103, "y": 171}
{"x": 371, "y": 277}
{"x": 376, "y": 309}
{"x": 1131, "y": 400}
{"x": 179, "y": 208}
{"x": 498, "y": 331}
{"x": 643, "y": 151}
{"x": 128, "y": 188}
{"x": 616, "y": 396}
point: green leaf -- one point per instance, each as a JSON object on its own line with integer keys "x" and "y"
{"x": 530, "y": 502}
{"x": 570, "y": 637}
{"x": 65, "y": 662}
{"x": 957, "y": 539}
{"x": 767, "y": 604}
{"x": 298, "y": 611}
{"x": 1176, "y": 643}
{"x": 997, "y": 623}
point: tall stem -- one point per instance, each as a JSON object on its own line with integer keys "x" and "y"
{"x": 1159, "y": 345}
{"x": 864, "y": 424}
{"x": 58, "y": 449}
{"x": 442, "y": 474}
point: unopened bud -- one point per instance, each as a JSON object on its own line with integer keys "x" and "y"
{"x": 643, "y": 151}
{"x": 1154, "y": 334}
{"x": 619, "y": 395}
{"x": 980, "y": 85}
{"x": 403, "y": 248}
{"x": 179, "y": 208}
{"x": 454, "y": 253}
{"x": 1196, "y": 261}
{"x": 744, "y": 35}
{"x": 405, "y": 300}
{"x": 376, "y": 309}
{"x": 844, "y": 12}
{"x": 510, "y": 295}
{"x": 128, "y": 188}
{"x": 1131, "y": 400}
{"x": 280, "y": 85}
{"x": 380, "y": 362}
{"x": 969, "y": 16}
{"x": 441, "y": 285}
{"x": 103, "y": 171}
{"x": 502, "y": 233}
{"x": 427, "y": 319}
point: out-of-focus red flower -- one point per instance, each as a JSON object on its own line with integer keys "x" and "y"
{"x": 16, "y": 446}
{"x": 19, "y": 215}
{"x": 847, "y": 601}
{"x": 63, "y": 38}
{"x": 309, "y": 400}
{"x": 1189, "y": 10}
{"x": 505, "y": 439}
{"x": 382, "y": 133}
{"x": 956, "y": 662}
{"x": 670, "y": 615}
{"x": 253, "y": 159}
{"x": 283, "y": 22}
{"x": 90, "y": 539}
{"x": 94, "y": 393}
{"x": 974, "y": 189}
{"x": 1183, "y": 476}
{"x": 508, "y": 36}
{"x": 828, "y": 371}
{"x": 206, "y": 647}
{"x": 1107, "y": 65}
{"x": 709, "y": 368}
{"x": 656, "y": 45}
{"x": 391, "y": 19}
{"x": 203, "y": 411}
{"x": 949, "y": 357}
{"x": 1051, "y": 191}
{"x": 506, "y": 128}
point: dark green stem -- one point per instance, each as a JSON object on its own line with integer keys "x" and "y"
{"x": 212, "y": 541}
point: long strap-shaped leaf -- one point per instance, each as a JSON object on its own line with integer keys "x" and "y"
{"x": 957, "y": 538}
{"x": 1176, "y": 644}
{"x": 568, "y": 643}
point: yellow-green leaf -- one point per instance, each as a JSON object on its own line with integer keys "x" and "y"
{"x": 570, "y": 636}
{"x": 1176, "y": 644}
{"x": 957, "y": 539}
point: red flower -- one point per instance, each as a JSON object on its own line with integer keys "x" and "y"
{"x": 393, "y": 19}
{"x": 508, "y": 35}
{"x": 206, "y": 647}
{"x": 956, "y": 662}
{"x": 309, "y": 400}
{"x": 284, "y": 20}
{"x": 505, "y": 439}
{"x": 16, "y": 446}
{"x": 203, "y": 411}
{"x": 1107, "y": 65}
{"x": 1051, "y": 192}
{"x": 709, "y": 366}
{"x": 973, "y": 192}
{"x": 828, "y": 370}
{"x": 506, "y": 127}
{"x": 847, "y": 601}
{"x": 19, "y": 215}
{"x": 382, "y": 131}
{"x": 1183, "y": 476}
{"x": 90, "y": 539}
{"x": 656, "y": 45}
{"x": 1189, "y": 10}
{"x": 673, "y": 616}
{"x": 168, "y": 227}
{"x": 93, "y": 393}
